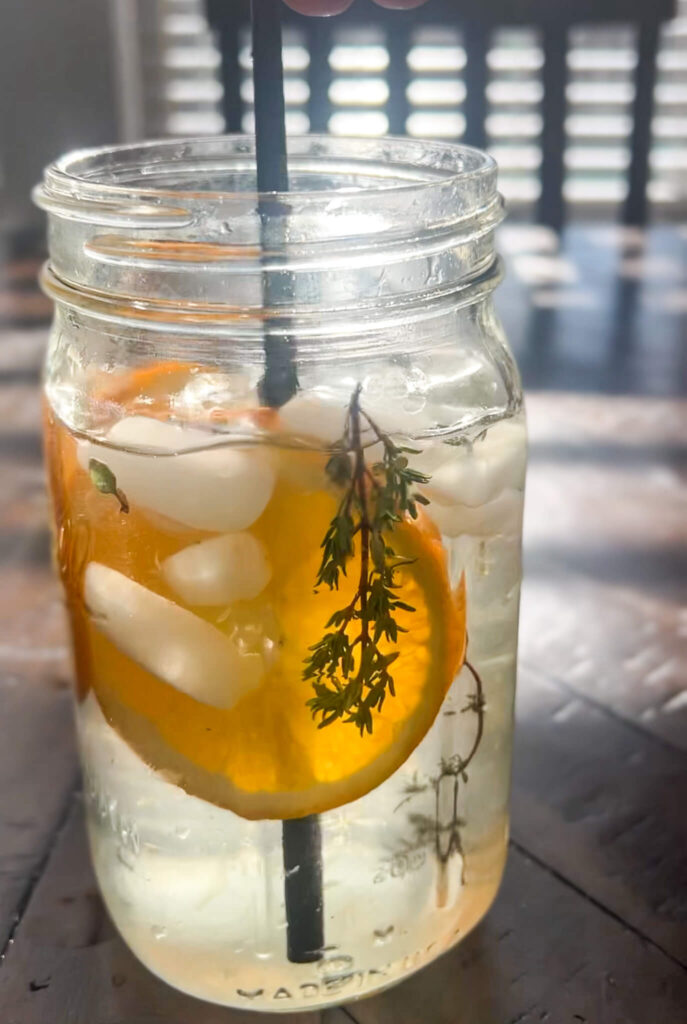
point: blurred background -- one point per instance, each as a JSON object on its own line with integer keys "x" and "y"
{"x": 567, "y": 97}
{"x": 583, "y": 104}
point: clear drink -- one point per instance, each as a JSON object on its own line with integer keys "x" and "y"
{"x": 192, "y": 620}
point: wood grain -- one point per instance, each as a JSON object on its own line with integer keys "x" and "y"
{"x": 38, "y": 764}
{"x": 605, "y": 595}
{"x": 32, "y": 619}
{"x": 602, "y": 804}
{"x": 38, "y": 769}
{"x": 624, "y": 648}
{"x": 544, "y": 953}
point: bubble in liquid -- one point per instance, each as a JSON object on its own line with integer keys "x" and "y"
{"x": 263, "y": 956}
{"x": 382, "y": 935}
{"x": 182, "y": 831}
{"x": 159, "y": 933}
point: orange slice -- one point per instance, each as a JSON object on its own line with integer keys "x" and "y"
{"x": 263, "y": 756}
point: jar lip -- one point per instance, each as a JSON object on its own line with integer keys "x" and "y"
{"x": 85, "y": 175}
{"x": 382, "y": 220}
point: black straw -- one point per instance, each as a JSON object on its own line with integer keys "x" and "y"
{"x": 301, "y": 837}
{"x": 302, "y": 849}
{"x": 280, "y": 381}
{"x": 268, "y": 90}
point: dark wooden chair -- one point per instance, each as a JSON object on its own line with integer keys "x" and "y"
{"x": 477, "y": 20}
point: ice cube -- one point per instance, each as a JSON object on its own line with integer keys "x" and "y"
{"x": 321, "y": 422}
{"x": 169, "y": 641}
{"x": 218, "y": 489}
{"x": 311, "y": 417}
{"x": 430, "y": 454}
{"x": 230, "y": 568}
{"x": 322, "y": 418}
{"x": 478, "y": 472}
{"x": 501, "y": 516}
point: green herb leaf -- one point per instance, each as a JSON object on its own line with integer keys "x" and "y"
{"x": 105, "y": 481}
{"x": 349, "y": 674}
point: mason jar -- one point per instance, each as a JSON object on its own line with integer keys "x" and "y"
{"x": 286, "y": 447}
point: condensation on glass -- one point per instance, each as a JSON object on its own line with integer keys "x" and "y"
{"x": 188, "y": 528}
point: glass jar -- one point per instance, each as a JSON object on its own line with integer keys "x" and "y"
{"x": 286, "y": 446}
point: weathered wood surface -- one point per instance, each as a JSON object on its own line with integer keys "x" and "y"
{"x": 38, "y": 764}
{"x": 545, "y": 953}
{"x": 591, "y": 923}
{"x": 603, "y": 805}
{"x": 38, "y": 770}
{"x": 605, "y": 597}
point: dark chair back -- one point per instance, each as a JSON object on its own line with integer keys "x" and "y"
{"x": 477, "y": 20}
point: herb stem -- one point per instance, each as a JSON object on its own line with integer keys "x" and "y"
{"x": 371, "y": 422}
{"x": 477, "y": 705}
{"x": 374, "y": 501}
{"x": 360, "y": 478}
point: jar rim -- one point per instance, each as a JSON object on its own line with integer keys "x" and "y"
{"x": 145, "y": 225}
{"x": 96, "y": 174}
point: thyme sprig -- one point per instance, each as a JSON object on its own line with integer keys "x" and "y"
{"x": 350, "y": 674}
{"x": 445, "y": 833}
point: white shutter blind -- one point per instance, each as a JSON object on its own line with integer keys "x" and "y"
{"x": 183, "y": 97}
{"x": 182, "y": 62}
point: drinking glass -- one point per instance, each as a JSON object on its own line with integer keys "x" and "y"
{"x": 286, "y": 447}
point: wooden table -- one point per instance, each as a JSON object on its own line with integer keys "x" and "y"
{"x": 591, "y": 922}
